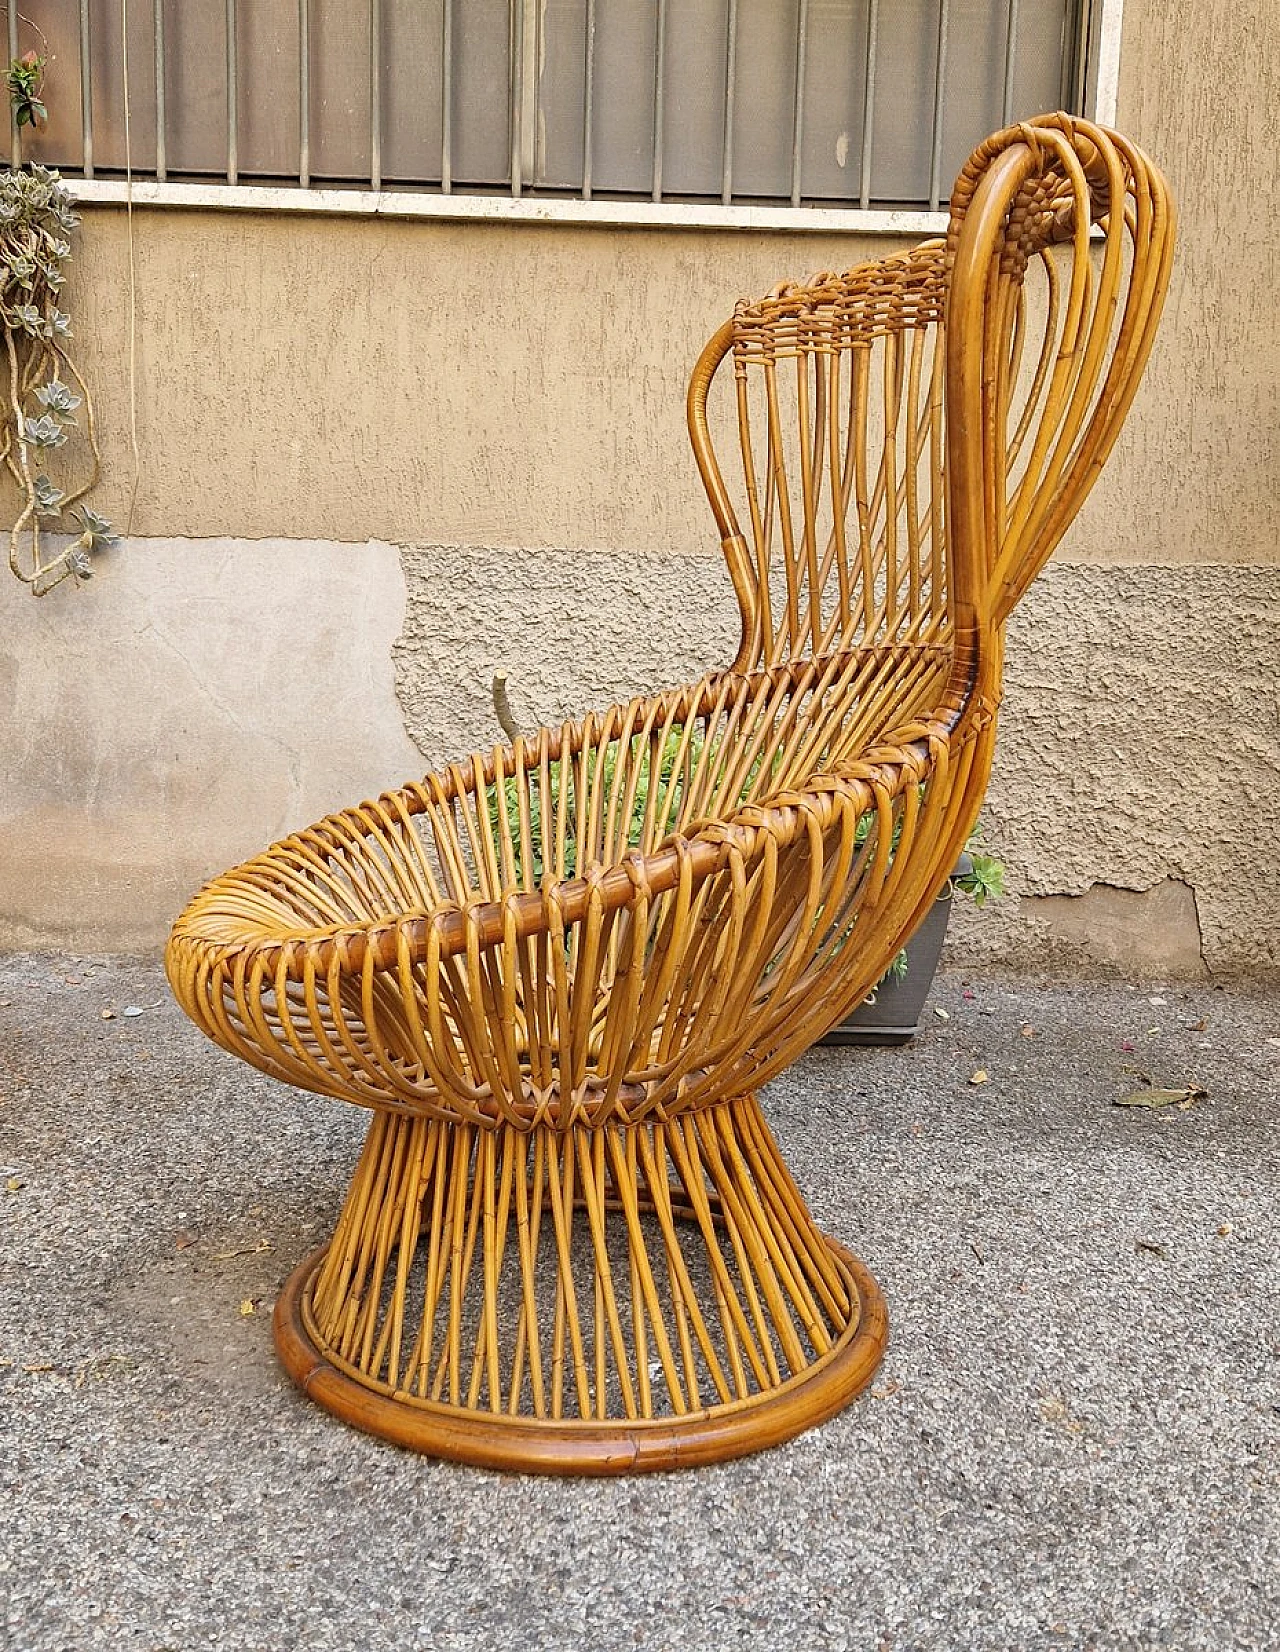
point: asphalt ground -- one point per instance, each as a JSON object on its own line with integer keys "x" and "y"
{"x": 1074, "y": 1441}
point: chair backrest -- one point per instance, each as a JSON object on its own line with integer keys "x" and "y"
{"x": 916, "y": 434}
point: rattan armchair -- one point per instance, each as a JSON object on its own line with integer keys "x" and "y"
{"x": 558, "y": 971}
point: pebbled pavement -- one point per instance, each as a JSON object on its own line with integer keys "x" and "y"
{"x": 1074, "y": 1441}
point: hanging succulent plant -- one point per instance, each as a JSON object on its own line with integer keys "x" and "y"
{"x": 47, "y": 420}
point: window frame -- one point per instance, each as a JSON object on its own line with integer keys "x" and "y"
{"x": 1098, "y": 73}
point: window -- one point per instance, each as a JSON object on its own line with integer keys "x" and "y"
{"x": 783, "y": 103}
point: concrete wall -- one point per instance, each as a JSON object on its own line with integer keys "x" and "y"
{"x": 381, "y": 459}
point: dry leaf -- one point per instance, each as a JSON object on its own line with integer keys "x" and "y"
{"x": 980, "y": 1077}
{"x": 108, "y": 1015}
{"x": 247, "y": 1307}
{"x": 14, "y": 1185}
{"x": 1161, "y": 1098}
{"x": 1054, "y": 1409}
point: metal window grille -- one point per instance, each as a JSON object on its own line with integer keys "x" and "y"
{"x": 870, "y": 103}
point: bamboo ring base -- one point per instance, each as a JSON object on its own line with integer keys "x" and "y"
{"x": 664, "y": 1324}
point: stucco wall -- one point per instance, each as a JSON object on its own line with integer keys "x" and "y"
{"x": 437, "y": 382}
{"x": 178, "y": 713}
{"x": 383, "y": 459}
{"x": 1140, "y": 752}
{"x": 1197, "y": 476}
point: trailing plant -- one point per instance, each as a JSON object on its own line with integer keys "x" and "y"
{"x": 47, "y": 420}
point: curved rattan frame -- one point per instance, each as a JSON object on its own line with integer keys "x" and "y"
{"x": 558, "y": 971}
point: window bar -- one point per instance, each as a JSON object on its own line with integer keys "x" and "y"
{"x": 588, "y": 94}
{"x": 304, "y": 93}
{"x": 375, "y": 94}
{"x": 86, "y": 93}
{"x": 157, "y": 12}
{"x": 869, "y": 104}
{"x": 446, "y": 98}
{"x": 797, "y": 105}
{"x": 516, "y": 90}
{"x": 233, "y": 164}
{"x": 939, "y": 85}
{"x": 1010, "y": 56}
{"x": 15, "y": 138}
{"x": 730, "y": 75}
{"x": 1078, "y": 55}
{"x": 659, "y": 97}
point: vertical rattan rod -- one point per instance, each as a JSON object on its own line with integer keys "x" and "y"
{"x": 233, "y": 163}
{"x": 588, "y": 96}
{"x": 1010, "y": 60}
{"x": 304, "y": 93}
{"x": 659, "y": 96}
{"x": 730, "y": 76}
{"x": 868, "y": 103}
{"x": 446, "y": 98}
{"x": 797, "y": 102}
{"x": 86, "y": 93}
{"x": 157, "y": 14}
{"x": 15, "y": 138}
{"x": 939, "y": 90}
{"x": 375, "y": 94}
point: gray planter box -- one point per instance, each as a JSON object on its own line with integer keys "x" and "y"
{"x": 893, "y": 1016}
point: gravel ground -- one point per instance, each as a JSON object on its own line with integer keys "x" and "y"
{"x": 1074, "y": 1441}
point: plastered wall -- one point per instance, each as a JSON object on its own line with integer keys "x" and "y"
{"x": 382, "y": 459}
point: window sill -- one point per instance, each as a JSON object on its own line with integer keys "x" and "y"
{"x": 503, "y": 209}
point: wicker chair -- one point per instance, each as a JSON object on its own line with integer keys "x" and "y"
{"x": 558, "y": 971}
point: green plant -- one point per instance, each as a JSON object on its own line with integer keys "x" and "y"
{"x": 668, "y": 791}
{"x": 40, "y": 427}
{"x": 984, "y": 880}
{"x": 25, "y": 81}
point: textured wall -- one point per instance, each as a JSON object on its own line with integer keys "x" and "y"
{"x": 1196, "y": 476}
{"x": 177, "y": 713}
{"x": 1137, "y": 781}
{"x": 572, "y": 630}
{"x": 198, "y": 699}
{"x": 1139, "y": 746}
{"x": 341, "y": 378}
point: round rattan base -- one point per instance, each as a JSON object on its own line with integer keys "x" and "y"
{"x": 593, "y": 1300}
{"x": 532, "y": 1445}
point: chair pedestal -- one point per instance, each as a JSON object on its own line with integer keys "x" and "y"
{"x": 598, "y": 1300}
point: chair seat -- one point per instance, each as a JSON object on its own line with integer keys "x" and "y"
{"x": 434, "y": 949}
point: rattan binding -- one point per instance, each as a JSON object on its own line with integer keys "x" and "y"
{"x": 559, "y": 970}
